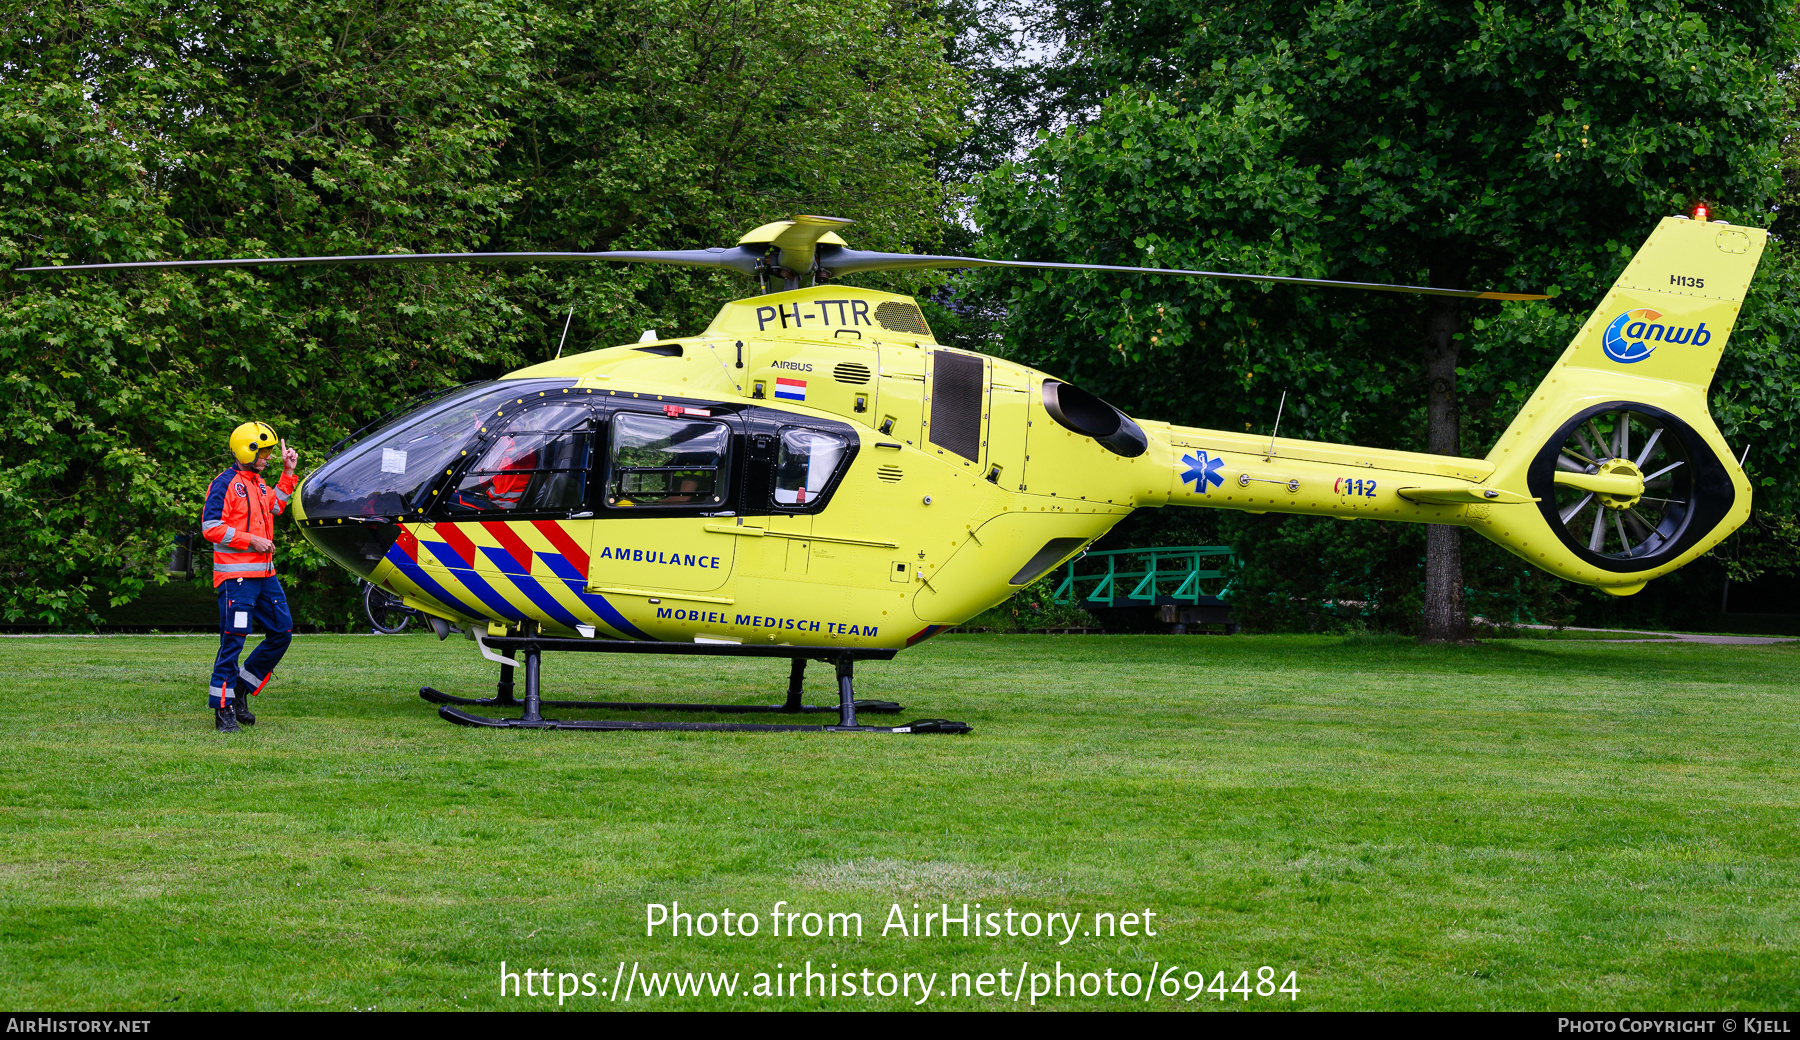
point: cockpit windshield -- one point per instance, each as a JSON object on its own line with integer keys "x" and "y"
{"x": 391, "y": 472}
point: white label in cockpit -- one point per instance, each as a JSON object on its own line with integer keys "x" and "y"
{"x": 393, "y": 461}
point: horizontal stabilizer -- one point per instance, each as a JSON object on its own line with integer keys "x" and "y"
{"x": 1461, "y": 494}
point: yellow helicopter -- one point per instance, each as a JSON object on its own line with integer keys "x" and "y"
{"x": 814, "y": 477}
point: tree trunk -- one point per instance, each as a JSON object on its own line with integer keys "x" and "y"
{"x": 1446, "y": 619}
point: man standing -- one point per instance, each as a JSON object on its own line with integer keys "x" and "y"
{"x": 240, "y": 519}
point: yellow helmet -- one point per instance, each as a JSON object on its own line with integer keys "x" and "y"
{"x": 252, "y": 438}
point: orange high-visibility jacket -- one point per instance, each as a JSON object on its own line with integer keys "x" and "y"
{"x": 239, "y": 505}
{"x": 507, "y": 489}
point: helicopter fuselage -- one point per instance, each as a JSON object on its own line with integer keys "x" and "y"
{"x": 955, "y": 487}
{"x": 814, "y": 469}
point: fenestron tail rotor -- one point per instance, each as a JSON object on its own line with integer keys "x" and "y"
{"x": 1624, "y": 484}
{"x": 1629, "y": 488}
{"x": 783, "y": 251}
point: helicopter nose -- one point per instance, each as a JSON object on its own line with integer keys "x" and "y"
{"x": 355, "y": 545}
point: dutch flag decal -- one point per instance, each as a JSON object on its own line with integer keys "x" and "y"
{"x": 790, "y": 389}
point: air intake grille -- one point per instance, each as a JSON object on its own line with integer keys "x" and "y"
{"x": 891, "y": 474}
{"x": 956, "y": 384}
{"x": 901, "y": 317}
{"x": 851, "y": 372}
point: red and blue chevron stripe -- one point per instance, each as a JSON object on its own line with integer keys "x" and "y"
{"x": 459, "y": 587}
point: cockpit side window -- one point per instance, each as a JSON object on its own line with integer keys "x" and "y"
{"x": 655, "y": 460}
{"x": 536, "y": 463}
{"x": 805, "y": 462}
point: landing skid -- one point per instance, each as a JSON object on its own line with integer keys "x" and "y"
{"x": 531, "y": 713}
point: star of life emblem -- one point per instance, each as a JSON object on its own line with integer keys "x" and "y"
{"x": 1202, "y": 472}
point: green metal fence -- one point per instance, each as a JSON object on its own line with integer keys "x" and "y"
{"x": 1171, "y": 574}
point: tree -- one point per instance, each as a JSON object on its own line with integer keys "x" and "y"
{"x": 686, "y": 123}
{"x": 1028, "y": 72}
{"x": 136, "y": 129}
{"x": 1452, "y": 144}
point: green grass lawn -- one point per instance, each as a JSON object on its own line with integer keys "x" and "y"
{"x": 1521, "y": 824}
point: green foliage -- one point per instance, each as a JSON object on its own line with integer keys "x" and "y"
{"x": 1202, "y": 188}
{"x": 1768, "y": 544}
{"x": 662, "y": 125}
{"x": 215, "y": 128}
{"x": 1756, "y": 395}
{"x": 1025, "y": 73}
{"x": 283, "y": 128}
{"x": 1034, "y": 607}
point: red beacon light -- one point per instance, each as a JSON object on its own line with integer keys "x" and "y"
{"x": 1702, "y": 211}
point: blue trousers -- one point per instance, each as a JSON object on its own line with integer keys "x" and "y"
{"x": 243, "y": 601}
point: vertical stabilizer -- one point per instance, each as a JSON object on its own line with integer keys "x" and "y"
{"x": 1667, "y": 317}
{"x": 1632, "y": 477}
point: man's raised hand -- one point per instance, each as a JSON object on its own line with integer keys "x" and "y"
{"x": 290, "y": 457}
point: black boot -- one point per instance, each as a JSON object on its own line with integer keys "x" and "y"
{"x": 240, "y": 706}
{"x": 225, "y": 719}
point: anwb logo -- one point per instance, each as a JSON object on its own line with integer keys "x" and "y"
{"x": 1635, "y": 335}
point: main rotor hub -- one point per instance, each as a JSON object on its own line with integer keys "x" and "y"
{"x": 790, "y": 248}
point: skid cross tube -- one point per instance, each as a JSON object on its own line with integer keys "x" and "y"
{"x": 532, "y": 717}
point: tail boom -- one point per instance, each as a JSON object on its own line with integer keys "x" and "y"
{"x": 1221, "y": 470}
{"x": 1612, "y": 474}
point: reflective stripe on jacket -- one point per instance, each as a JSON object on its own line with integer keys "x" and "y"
{"x": 239, "y": 505}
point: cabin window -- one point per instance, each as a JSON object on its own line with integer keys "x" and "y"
{"x": 658, "y": 461}
{"x": 805, "y": 464}
{"x": 536, "y": 463}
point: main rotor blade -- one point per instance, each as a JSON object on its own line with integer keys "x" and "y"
{"x": 742, "y": 259}
{"x": 840, "y": 260}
